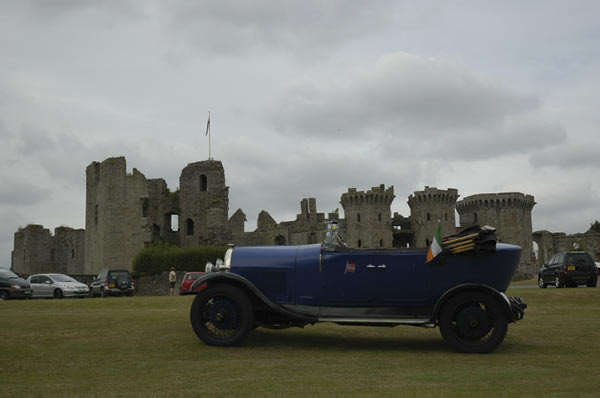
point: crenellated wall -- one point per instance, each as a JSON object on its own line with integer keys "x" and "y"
{"x": 429, "y": 206}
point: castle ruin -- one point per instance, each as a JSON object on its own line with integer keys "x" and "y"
{"x": 127, "y": 212}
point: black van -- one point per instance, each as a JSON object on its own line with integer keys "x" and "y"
{"x": 13, "y": 286}
{"x": 569, "y": 269}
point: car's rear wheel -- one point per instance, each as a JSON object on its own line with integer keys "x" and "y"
{"x": 58, "y": 294}
{"x": 473, "y": 322}
{"x": 222, "y": 315}
{"x": 558, "y": 283}
{"x": 592, "y": 282}
{"x": 541, "y": 283}
{"x": 4, "y": 295}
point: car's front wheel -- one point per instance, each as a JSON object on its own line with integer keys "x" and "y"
{"x": 541, "y": 283}
{"x": 222, "y": 315}
{"x": 473, "y": 322}
{"x": 58, "y": 294}
{"x": 4, "y": 295}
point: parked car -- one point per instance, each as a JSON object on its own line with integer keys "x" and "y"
{"x": 13, "y": 286}
{"x": 112, "y": 282}
{"x": 277, "y": 287}
{"x": 57, "y": 286}
{"x": 598, "y": 267}
{"x": 186, "y": 282}
{"x": 571, "y": 268}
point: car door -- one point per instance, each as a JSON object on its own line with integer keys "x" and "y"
{"x": 36, "y": 289}
{"x": 373, "y": 279}
{"x": 46, "y": 288}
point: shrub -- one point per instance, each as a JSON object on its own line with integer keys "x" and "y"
{"x": 156, "y": 259}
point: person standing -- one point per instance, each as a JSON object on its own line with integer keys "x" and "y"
{"x": 172, "y": 279}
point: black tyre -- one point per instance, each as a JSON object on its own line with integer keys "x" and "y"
{"x": 541, "y": 283}
{"x": 103, "y": 293}
{"x": 473, "y": 322}
{"x": 58, "y": 294}
{"x": 91, "y": 293}
{"x": 222, "y": 315}
{"x": 592, "y": 282}
{"x": 4, "y": 295}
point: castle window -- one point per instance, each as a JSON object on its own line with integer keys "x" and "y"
{"x": 145, "y": 205}
{"x": 428, "y": 217}
{"x": 96, "y": 215}
{"x": 380, "y": 242}
{"x": 72, "y": 253}
{"x": 280, "y": 240}
{"x": 359, "y": 243}
{"x": 358, "y": 217}
{"x": 379, "y": 216}
{"x": 189, "y": 227}
{"x": 474, "y": 218}
{"x": 426, "y": 242}
{"x": 203, "y": 182}
{"x": 445, "y": 216}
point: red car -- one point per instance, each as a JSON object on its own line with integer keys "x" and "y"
{"x": 187, "y": 281}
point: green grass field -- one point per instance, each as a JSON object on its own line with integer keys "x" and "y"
{"x": 144, "y": 346}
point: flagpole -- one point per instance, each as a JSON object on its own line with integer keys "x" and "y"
{"x": 208, "y": 133}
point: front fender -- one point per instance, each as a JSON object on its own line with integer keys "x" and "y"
{"x": 244, "y": 284}
{"x": 501, "y": 297}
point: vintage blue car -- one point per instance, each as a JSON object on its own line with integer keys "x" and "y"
{"x": 278, "y": 287}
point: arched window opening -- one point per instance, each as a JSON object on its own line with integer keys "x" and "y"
{"x": 280, "y": 240}
{"x": 175, "y": 222}
{"x": 445, "y": 216}
{"x": 379, "y": 216}
{"x": 72, "y": 253}
{"x": 426, "y": 242}
{"x": 358, "y": 217}
{"x": 189, "y": 227}
{"x": 203, "y": 182}
{"x": 359, "y": 243}
{"x": 428, "y": 217}
{"x": 145, "y": 206}
{"x": 380, "y": 242}
{"x": 474, "y": 218}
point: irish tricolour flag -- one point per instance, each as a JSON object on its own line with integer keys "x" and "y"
{"x": 436, "y": 245}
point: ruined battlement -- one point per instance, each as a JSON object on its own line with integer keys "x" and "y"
{"x": 433, "y": 195}
{"x": 504, "y": 200}
{"x": 375, "y": 195}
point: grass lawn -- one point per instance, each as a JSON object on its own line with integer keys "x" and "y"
{"x": 144, "y": 346}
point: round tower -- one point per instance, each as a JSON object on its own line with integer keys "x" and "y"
{"x": 508, "y": 212}
{"x": 368, "y": 217}
{"x": 429, "y": 206}
{"x": 204, "y": 204}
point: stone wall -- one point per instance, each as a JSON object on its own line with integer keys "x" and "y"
{"x": 157, "y": 285}
{"x": 36, "y": 250}
{"x": 551, "y": 243}
{"x": 429, "y": 206}
{"x": 509, "y": 213}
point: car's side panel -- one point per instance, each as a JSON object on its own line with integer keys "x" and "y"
{"x": 308, "y": 276}
{"x": 272, "y": 270}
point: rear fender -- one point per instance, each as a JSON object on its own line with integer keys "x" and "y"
{"x": 247, "y": 286}
{"x": 474, "y": 287}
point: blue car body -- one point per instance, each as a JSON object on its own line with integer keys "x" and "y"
{"x": 297, "y": 285}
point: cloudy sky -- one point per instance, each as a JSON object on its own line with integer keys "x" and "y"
{"x": 307, "y": 98}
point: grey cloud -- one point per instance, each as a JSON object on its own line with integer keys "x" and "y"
{"x": 17, "y": 191}
{"x": 569, "y": 156}
{"x": 401, "y": 92}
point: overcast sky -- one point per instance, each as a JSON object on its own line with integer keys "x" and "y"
{"x": 307, "y": 98}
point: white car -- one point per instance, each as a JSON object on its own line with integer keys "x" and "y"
{"x": 57, "y": 286}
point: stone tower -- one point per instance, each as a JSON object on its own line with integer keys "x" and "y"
{"x": 115, "y": 229}
{"x": 368, "y": 217}
{"x": 426, "y": 208}
{"x": 508, "y": 212}
{"x": 204, "y": 203}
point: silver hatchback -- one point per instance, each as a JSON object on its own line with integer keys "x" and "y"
{"x": 57, "y": 286}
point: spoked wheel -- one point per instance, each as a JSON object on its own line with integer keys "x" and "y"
{"x": 473, "y": 323}
{"x": 541, "y": 283}
{"x": 222, "y": 315}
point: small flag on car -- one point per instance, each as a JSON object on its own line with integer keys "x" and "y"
{"x": 436, "y": 245}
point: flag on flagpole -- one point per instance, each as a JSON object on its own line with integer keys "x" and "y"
{"x": 208, "y": 125}
{"x": 436, "y": 245}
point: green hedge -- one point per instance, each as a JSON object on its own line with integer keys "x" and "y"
{"x": 155, "y": 259}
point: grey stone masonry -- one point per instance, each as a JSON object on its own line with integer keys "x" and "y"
{"x": 509, "y": 213}
{"x": 368, "y": 217}
{"x": 429, "y": 206}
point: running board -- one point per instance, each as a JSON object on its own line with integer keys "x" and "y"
{"x": 378, "y": 321}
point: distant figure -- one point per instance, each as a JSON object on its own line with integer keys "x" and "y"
{"x": 172, "y": 279}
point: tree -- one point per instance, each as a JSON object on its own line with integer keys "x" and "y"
{"x": 595, "y": 227}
